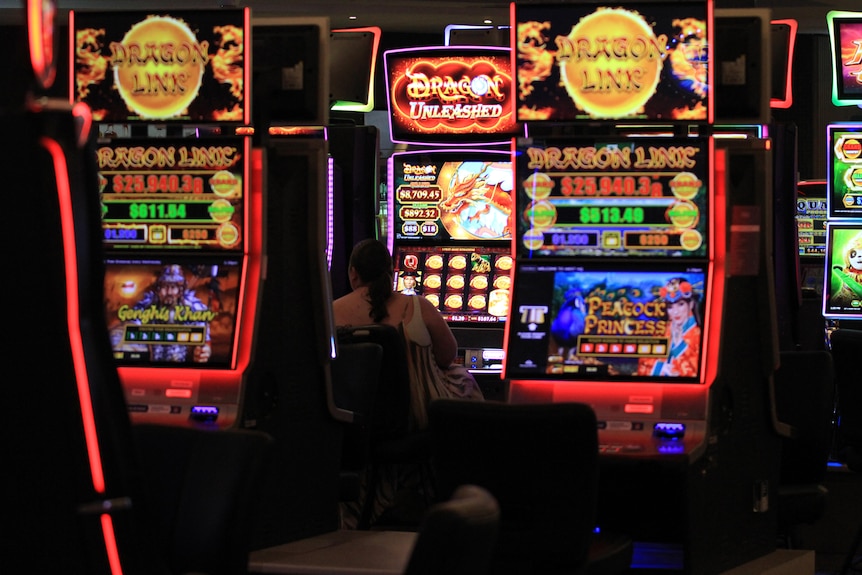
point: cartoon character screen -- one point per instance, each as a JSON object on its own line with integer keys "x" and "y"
{"x": 580, "y": 61}
{"x": 842, "y": 292}
{"x": 569, "y": 322}
{"x": 443, "y": 197}
{"x": 168, "y": 312}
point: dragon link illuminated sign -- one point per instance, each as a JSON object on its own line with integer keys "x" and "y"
{"x": 188, "y": 66}
{"x": 591, "y": 62}
{"x": 438, "y": 93}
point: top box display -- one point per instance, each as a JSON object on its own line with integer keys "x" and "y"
{"x": 644, "y": 62}
{"x": 186, "y": 66}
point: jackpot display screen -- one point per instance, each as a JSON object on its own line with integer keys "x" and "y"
{"x": 451, "y": 196}
{"x": 141, "y": 66}
{"x": 467, "y": 284}
{"x": 607, "y": 323}
{"x": 844, "y": 170}
{"x": 811, "y": 216}
{"x": 612, "y": 197}
{"x": 647, "y": 61}
{"x": 442, "y": 95}
{"x": 169, "y": 312}
{"x": 174, "y": 194}
{"x": 842, "y": 292}
{"x": 845, "y": 34}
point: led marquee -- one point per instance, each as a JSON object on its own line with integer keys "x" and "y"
{"x": 586, "y": 62}
{"x": 453, "y": 96}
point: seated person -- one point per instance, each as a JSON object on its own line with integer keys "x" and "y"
{"x": 431, "y": 349}
{"x": 431, "y": 345}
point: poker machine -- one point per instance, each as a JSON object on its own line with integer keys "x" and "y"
{"x": 181, "y": 221}
{"x": 450, "y": 203}
{"x": 841, "y": 293}
{"x": 842, "y": 254}
{"x": 642, "y": 280}
{"x": 811, "y": 218}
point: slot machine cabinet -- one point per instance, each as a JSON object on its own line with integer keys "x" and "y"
{"x": 674, "y": 454}
{"x": 181, "y": 222}
{"x": 449, "y": 209}
{"x": 288, "y": 386}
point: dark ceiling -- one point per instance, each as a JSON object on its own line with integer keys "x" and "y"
{"x": 426, "y": 16}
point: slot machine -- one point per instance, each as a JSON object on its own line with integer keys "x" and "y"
{"x": 642, "y": 282}
{"x": 842, "y": 273}
{"x": 450, "y": 204}
{"x": 181, "y": 221}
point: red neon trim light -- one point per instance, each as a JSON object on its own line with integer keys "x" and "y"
{"x": 72, "y": 312}
{"x": 710, "y": 65}
{"x": 84, "y": 115}
{"x": 787, "y": 100}
{"x": 111, "y": 544}
{"x": 76, "y": 343}
{"x": 718, "y": 242}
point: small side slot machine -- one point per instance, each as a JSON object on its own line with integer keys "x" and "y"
{"x": 842, "y": 275}
{"x": 450, "y": 204}
{"x": 181, "y": 221}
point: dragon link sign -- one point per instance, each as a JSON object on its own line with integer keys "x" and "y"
{"x": 452, "y": 95}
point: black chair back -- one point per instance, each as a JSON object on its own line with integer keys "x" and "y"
{"x": 457, "y": 536}
{"x": 804, "y": 398}
{"x": 355, "y": 376}
{"x": 392, "y": 402}
{"x": 540, "y": 461}
{"x": 199, "y": 489}
{"x": 804, "y": 392}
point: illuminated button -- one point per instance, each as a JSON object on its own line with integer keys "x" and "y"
{"x": 669, "y": 431}
{"x": 638, "y": 408}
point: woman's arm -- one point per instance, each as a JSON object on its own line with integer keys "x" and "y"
{"x": 443, "y": 342}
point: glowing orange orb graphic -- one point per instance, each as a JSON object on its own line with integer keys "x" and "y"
{"x": 610, "y": 63}
{"x": 158, "y": 67}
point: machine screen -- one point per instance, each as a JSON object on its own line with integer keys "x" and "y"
{"x": 612, "y": 197}
{"x": 445, "y": 197}
{"x": 465, "y": 284}
{"x": 171, "y": 312}
{"x": 607, "y": 323}
{"x": 172, "y": 194}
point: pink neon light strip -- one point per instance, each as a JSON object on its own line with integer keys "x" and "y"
{"x": 111, "y": 544}
{"x": 67, "y": 222}
{"x": 77, "y": 343}
{"x": 787, "y": 100}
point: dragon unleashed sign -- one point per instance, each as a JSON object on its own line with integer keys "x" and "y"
{"x": 450, "y": 96}
{"x": 591, "y": 62}
{"x": 187, "y": 66}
